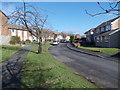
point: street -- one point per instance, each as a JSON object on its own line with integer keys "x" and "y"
{"x": 101, "y": 71}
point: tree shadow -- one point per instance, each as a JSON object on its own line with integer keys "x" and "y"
{"x": 117, "y": 55}
{"x": 33, "y": 52}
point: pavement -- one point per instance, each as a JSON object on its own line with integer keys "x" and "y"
{"x": 93, "y": 53}
{"x": 11, "y": 69}
{"x": 101, "y": 71}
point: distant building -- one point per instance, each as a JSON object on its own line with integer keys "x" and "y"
{"x": 78, "y": 36}
{"x": 59, "y": 36}
{"x": 89, "y": 35}
{"x": 106, "y": 34}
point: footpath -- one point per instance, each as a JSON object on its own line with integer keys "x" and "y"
{"x": 11, "y": 69}
{"x": 92, "y": 53}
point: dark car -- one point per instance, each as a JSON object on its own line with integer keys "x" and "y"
{"x": 62, "y": 41}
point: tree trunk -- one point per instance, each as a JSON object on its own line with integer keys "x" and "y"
{"x": 40, "y": 48}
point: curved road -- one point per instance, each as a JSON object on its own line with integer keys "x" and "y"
{"x": 101, "y": 71}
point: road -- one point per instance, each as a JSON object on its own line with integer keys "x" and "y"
{"x": 101, "y": 71}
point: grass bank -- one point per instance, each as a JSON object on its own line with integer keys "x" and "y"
{"x": 45, "y": 71}
{"x": 6, "y": 51}
{"x": 110, "y": 51}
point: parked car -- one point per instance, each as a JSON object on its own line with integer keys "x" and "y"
{"x": 55, "y": 42}
{"x": 62, "y": 41}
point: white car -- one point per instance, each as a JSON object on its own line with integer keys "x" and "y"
{"x": 55, "y": 42}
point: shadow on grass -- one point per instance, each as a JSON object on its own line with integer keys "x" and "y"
{"x": 10, "y": 48}
{"x": 34, "y": 52}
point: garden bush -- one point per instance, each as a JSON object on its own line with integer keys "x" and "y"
{"x": 77, "y": 44}
{"x": 15, "y": 40}
{"x": 27, "y": 41}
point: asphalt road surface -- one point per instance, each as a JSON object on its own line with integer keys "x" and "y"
{"x": 103, "y": 72}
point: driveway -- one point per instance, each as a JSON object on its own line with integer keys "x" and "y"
{"x": 102, "y": 71}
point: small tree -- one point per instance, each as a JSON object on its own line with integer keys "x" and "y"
{"x": 32, "y": 20}
{"x": 72, "y": 38}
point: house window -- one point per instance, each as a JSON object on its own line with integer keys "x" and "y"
{"x": 102, "y": 29}
{"x": 103, "y": 38}
{"x": 97, "y": 39}
{"x": 13, "y": 29}
{"x": 106, "y": 39}
{"x": 108, "y": 27}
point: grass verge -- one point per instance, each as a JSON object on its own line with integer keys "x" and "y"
{"x": 109, "y": 51}
{"x": 46, "y": 72}
{"x": 6, "y": 51}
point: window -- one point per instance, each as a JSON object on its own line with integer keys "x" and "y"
{"x": 12, "y": 29}
{"x": 103, "y": 38}
{"x": 106, "y": 39}
{"x": 97, "y": 39}
{"x": 102, "y": 29}
{"x": 108, "y": 27}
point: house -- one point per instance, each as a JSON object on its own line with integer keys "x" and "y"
{"x": 4, "y": 34}
{"x": 20, "y": 31}
{"x": 8, "y": 29}
{"x": 106, "y": 34}
{"x": 78, "y": 36}
{"x": 61, "y": 35}
{"x": 89, "y": 35}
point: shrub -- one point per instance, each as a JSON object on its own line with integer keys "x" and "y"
{"x": 72, "y": 38}
{"x": 77, "y": 44}
{"x": 22, "y": 42}
{"x": 12, "y": 42}
{"x": 27, "y": 41}
{"x": 15, "y": 40}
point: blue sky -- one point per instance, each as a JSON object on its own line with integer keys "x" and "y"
{"x": 67, "y": 16}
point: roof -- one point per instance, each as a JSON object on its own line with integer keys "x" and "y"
{"x": 16, "y": 26}
{"x": 108, "y": 22}
{"x": 107, "y": 33}
{"x": 114, "y": 32}
{"x": 92, "y": 29}
{"x": 4, "y": 14}
{"x": 104, "y": 23}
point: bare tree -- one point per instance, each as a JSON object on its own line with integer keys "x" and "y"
{"x": 114, "y": 8}
{"x": 63, "y": 35}
{"x": 32, "y": 19}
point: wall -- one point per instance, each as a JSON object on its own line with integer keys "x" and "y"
{"x": 3, "y": 25}
{"x": 115, "y": 40}
{"x": 102, "y": 44}
{"x": 115, "y": 24}
{"x": 4, "y": 40}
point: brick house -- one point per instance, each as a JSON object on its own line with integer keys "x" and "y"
{"x": 106, "y": 34}
{"x": 8, "y": 29}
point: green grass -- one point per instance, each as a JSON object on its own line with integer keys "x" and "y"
{"x": 110, "y": 51}
{"x": 42, "y": 70}
{"x": 6, "y": 51}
